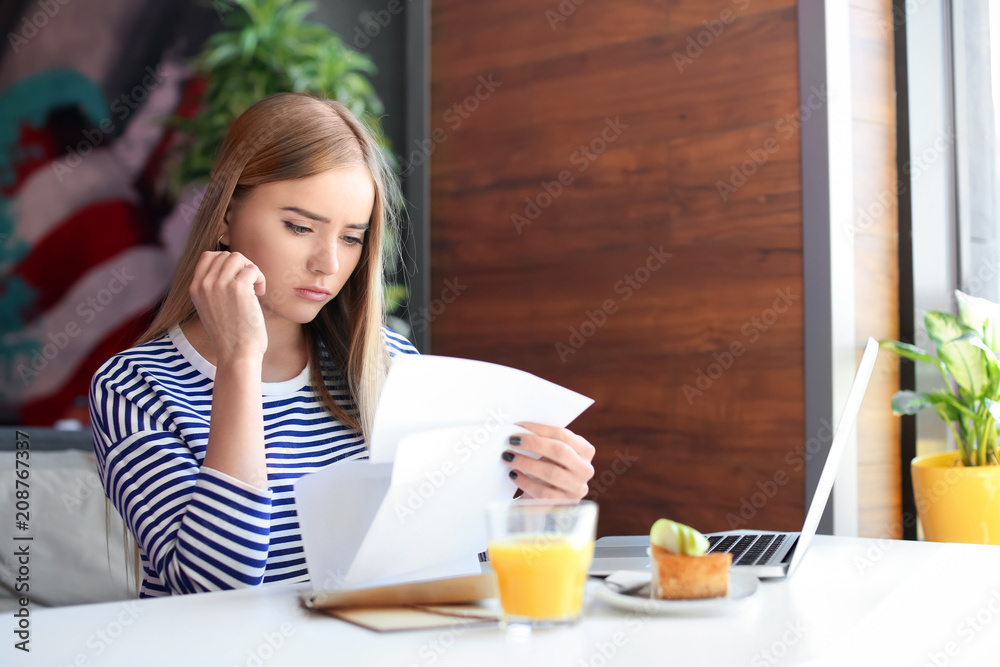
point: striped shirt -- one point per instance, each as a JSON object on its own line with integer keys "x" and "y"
{"x": 199, "y": 529}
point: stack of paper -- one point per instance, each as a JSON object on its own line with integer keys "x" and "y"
{"x": 417, "y": 509}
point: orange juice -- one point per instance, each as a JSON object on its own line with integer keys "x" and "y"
{"x": 541, "y": 576}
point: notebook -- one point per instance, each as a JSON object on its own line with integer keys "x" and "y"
{"x": 764, "y": 553}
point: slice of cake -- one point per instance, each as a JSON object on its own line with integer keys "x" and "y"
{"x": 682, "y": 570}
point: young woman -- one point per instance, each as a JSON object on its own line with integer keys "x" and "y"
{"x": 266, "y": 359}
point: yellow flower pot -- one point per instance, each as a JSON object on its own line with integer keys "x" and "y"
{"x": 956, "y": 503}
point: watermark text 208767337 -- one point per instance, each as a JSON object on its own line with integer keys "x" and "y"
{"x": 22, "y": 541}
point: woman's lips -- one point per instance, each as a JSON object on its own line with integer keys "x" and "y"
{"x": 311, "y": 295}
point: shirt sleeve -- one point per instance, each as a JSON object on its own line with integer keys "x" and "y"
{"x": 397, "y": 344}
{"x": 201, "y": 529}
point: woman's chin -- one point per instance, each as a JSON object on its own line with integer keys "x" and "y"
{"x": 299, "y": 313}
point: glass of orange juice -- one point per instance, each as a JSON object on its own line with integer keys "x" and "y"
{"x": 541, "y": 551}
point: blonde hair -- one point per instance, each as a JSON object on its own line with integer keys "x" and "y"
{"x": 287, "y": 136}
{"x": 284, "y": 137}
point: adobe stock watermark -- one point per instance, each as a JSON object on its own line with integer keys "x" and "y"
{"x": 270, "y": 643}
{"x": 88, "y": 310}
{"x": 83, "y": 489}
{"x": 122, "y": 107}
{"x": 865, "y": 218}
{"x": 32, "y": 22}
{"x": 454, "y": 117}
{"x": 696, "y": 44}
{"x": 104, "y": 638}
{"x": 752, "y": 330}
{"x": 463, "y": 450}
{"x": 452, "y": 290}
{"x": 984, "y": 274}
{"x": 188, "y": 207}
{"x": 773, "y": 654}
{"x": 968, "y": 629}
{"x": 796, "y": 460}
{"x": 437, "y": 646}
{"x": 899, "y": 16}
{"x": 562, "y": 12}
{"x": 332, "y": 580}
{"x": 557, "y": 527}
{"x": 786, "y": 126}
{"x": 877, "y": 550}
{"x": 621, "y": 464}
{"x": 629, "y": 284}
{"x": 581, "y": 158}
{"x": 375, "y": 21}
{"x": 605, "y": 651}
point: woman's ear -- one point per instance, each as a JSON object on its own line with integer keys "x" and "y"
{"x": 227, "y": 221}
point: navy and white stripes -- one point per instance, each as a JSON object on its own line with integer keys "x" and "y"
{"x": 200, "y": 529}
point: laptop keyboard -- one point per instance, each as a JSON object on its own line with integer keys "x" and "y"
{"x": 724, "y": 545}
{"x": 747, "y": 549}
{"x": 779, "y": 540}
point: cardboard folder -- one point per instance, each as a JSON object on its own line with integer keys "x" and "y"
{"x": 413, "y": 606}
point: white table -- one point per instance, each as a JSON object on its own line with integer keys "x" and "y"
{"x": 852, "y": 602}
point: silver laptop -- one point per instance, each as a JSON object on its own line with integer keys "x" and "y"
{"x": 765, "y": 553}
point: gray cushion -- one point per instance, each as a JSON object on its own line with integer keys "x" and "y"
{"x": 72, "y": 561}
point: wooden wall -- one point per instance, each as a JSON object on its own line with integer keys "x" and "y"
{"x": 876, "y": 265}
{"x": 689, "y": 117}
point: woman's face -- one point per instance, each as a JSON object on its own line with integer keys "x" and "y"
{"x": 303, "y": 234}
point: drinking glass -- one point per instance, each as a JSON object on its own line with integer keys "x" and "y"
{"x": 541, "y": 551}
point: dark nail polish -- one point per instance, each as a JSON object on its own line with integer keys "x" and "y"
{"x": 515, "y": 440}
{"x": 508, "y": 456}
{"x": 512, "y": 474}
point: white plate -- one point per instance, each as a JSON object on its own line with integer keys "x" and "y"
{"x": 742, "y": 586}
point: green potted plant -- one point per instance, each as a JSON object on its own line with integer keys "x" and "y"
{"x": 957, "y": 493}
{"x": 265, "y": 47}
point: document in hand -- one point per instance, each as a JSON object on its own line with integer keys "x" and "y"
{"x": 416, "y": 509}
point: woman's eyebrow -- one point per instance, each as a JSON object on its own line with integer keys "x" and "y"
{"x": 318, "y": 218}
{"x": 306, "y": 214}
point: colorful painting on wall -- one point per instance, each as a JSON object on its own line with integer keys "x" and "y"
{"x": 88, "y": 241}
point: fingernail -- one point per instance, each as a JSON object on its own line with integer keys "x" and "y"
{"x": 515, "y": 440}
{"x": 512, "y": 474}
{"x": 508, "y": 456}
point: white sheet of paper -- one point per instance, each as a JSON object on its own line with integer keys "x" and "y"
{"x": 417, "y": 509}
{"x": 427, "y": 391}
{"x": 336, "y": 506}
{"x": 432, "y": 522}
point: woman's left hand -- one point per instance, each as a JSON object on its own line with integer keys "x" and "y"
{"x": 561, "y": 473}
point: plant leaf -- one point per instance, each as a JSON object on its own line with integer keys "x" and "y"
{"x": 967, "y": 364}
{"x": 267, "y": 46}
{"x": 993, "y": 407}
{"x": 981, "y": 315}
{"x": 957, "y": 407}
{"x": 963, "y": 360}
{"x": 942, "y": 327}
{"x": 973, "y": 338}
{"x": 947, "y": 411}
{"x": 992, "y": 364}
{"x": 907, "y": 402}
{"x": 907, "y": 351}
{"x": 394, "y": 296}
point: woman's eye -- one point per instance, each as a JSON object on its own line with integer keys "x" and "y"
{"x": 352, "y": 240}
{"x": 298, "y": 230}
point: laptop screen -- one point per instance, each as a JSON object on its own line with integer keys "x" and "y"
{"x": 840, "y": 438}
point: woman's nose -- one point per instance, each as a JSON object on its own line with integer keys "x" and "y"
{"x": 326, "y": 259}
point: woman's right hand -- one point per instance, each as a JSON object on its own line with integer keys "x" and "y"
{"x": 224, "y": 290}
